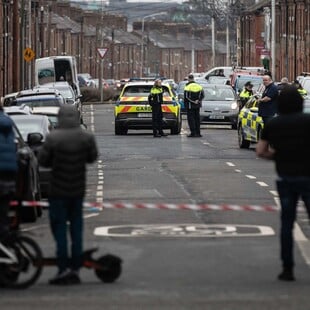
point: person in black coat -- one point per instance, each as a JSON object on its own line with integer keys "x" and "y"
{"x": 67, "y": 150}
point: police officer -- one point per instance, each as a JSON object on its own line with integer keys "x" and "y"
{"x": 246, "y": 93}
{"x": 155, "y": 99}
{"x": 300, "y": 89}
{"x": 193, "y": 95}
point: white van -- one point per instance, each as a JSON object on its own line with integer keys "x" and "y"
{"x": 57, "y": 68}
{"x": 219, "y": 71}
{"x": 228, "y": 71}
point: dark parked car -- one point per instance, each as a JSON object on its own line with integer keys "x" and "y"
{"x": 40, "y": 124}
{"x": 28, "y": 180}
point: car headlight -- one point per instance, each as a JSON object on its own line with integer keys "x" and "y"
{"x": 234, "y": 105}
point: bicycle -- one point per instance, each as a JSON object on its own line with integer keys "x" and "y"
{"x": 20, "y": 257}
{"x": 21, "y": 260}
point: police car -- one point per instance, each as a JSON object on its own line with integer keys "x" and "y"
{"x": 249, "y": 124}
{"x": 132, "y": 110}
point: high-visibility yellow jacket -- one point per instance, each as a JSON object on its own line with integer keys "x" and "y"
{"x": 193, "y": 94}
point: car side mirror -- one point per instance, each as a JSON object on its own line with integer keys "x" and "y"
{"x": 83, "y": 126}
{"x": 70, "y": 101}
{"x": 34, "y": 138}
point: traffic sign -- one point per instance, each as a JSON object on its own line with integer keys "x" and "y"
{"x": 102, "y": 51}
{"x": 28, "y": 54}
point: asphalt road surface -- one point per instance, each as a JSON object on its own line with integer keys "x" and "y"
{"x": 176, "y": 259}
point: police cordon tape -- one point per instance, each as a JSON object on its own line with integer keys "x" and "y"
{"x": 99, "y": 206}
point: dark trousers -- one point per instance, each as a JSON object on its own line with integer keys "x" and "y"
{"x": 193, "y": 118}
{"x": 157, "y": 119}
{"x": 61, "y": 211}
{"x": 266, "y": 119}
{"x": 290, "y": 189}
{"x": 4, "y": 218}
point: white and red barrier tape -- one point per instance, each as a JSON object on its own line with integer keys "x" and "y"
{"x": 152, "y": 206}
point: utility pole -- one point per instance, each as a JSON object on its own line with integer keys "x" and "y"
{"x": 228, "y": 62}
{"x": 29, "y": 43}
{"x": 16, "y": 41}
{"x": 42, "y": 29}
{"x": 273, "y": 38}
{"x": 213, "y": 40}
{"x": 22, "y": 45}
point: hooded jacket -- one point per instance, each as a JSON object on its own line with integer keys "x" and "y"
{"x": 66, "y": 151}
{"x": 8, "y": 157}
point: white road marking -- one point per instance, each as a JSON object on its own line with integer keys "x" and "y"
{"x": 263, "y": 184}
{"x": 230, "y": 164}
{"x": 238, "y": 170}
{"x": 274, "y": 193}
{"x": 184, "y": 230}
{"x": 251, "y": 176}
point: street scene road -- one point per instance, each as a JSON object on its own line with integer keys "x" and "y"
{"x": 176, "y": 259}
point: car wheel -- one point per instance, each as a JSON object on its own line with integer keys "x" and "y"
{"x": 175, "y": 130}
{"x": 243, "y": 143}
{"x": 120, "y": 130}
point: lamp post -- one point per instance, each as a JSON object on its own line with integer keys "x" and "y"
{"x": 142, "y": 38}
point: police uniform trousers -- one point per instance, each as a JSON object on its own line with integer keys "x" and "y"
{"x": 193, "y": 118}
{"x": 157, "y": 119}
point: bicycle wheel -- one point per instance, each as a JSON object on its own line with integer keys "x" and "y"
{"x": 28, "y": 267}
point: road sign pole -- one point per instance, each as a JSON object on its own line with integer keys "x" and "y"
{"x": 100, "y": 80}
{"x": 101, "y": 52}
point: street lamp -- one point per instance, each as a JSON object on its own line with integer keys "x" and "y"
{"x": 142, "y": 37}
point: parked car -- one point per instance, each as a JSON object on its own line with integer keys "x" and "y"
{"x": 219, "y": 80}
{"x": 219, "y": 105}
{"x": 305, "y": 83}
{"x": 39, "y": 97}
{"x": 8, "y": 99}
{"x": 50, "y": 112}
{"x": 68, "y": 93}
{"x": 17, "y": 110}
{"x": 28, "y": 180}
{"x": 40, "y": 124}
{"x": 86, "y": 80}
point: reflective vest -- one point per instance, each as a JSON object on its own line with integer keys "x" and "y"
{"x": 302, "y": 91}
{"x": 245, "y": 94}
{"x": 156, "y": 95}
{"x": 193, "y": 88}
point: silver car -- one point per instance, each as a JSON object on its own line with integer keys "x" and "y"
{"x": 219, "y": 105}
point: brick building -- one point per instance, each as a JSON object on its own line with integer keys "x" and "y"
{"x": 292, "y": 37}
{"x": 51, "y": 28}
